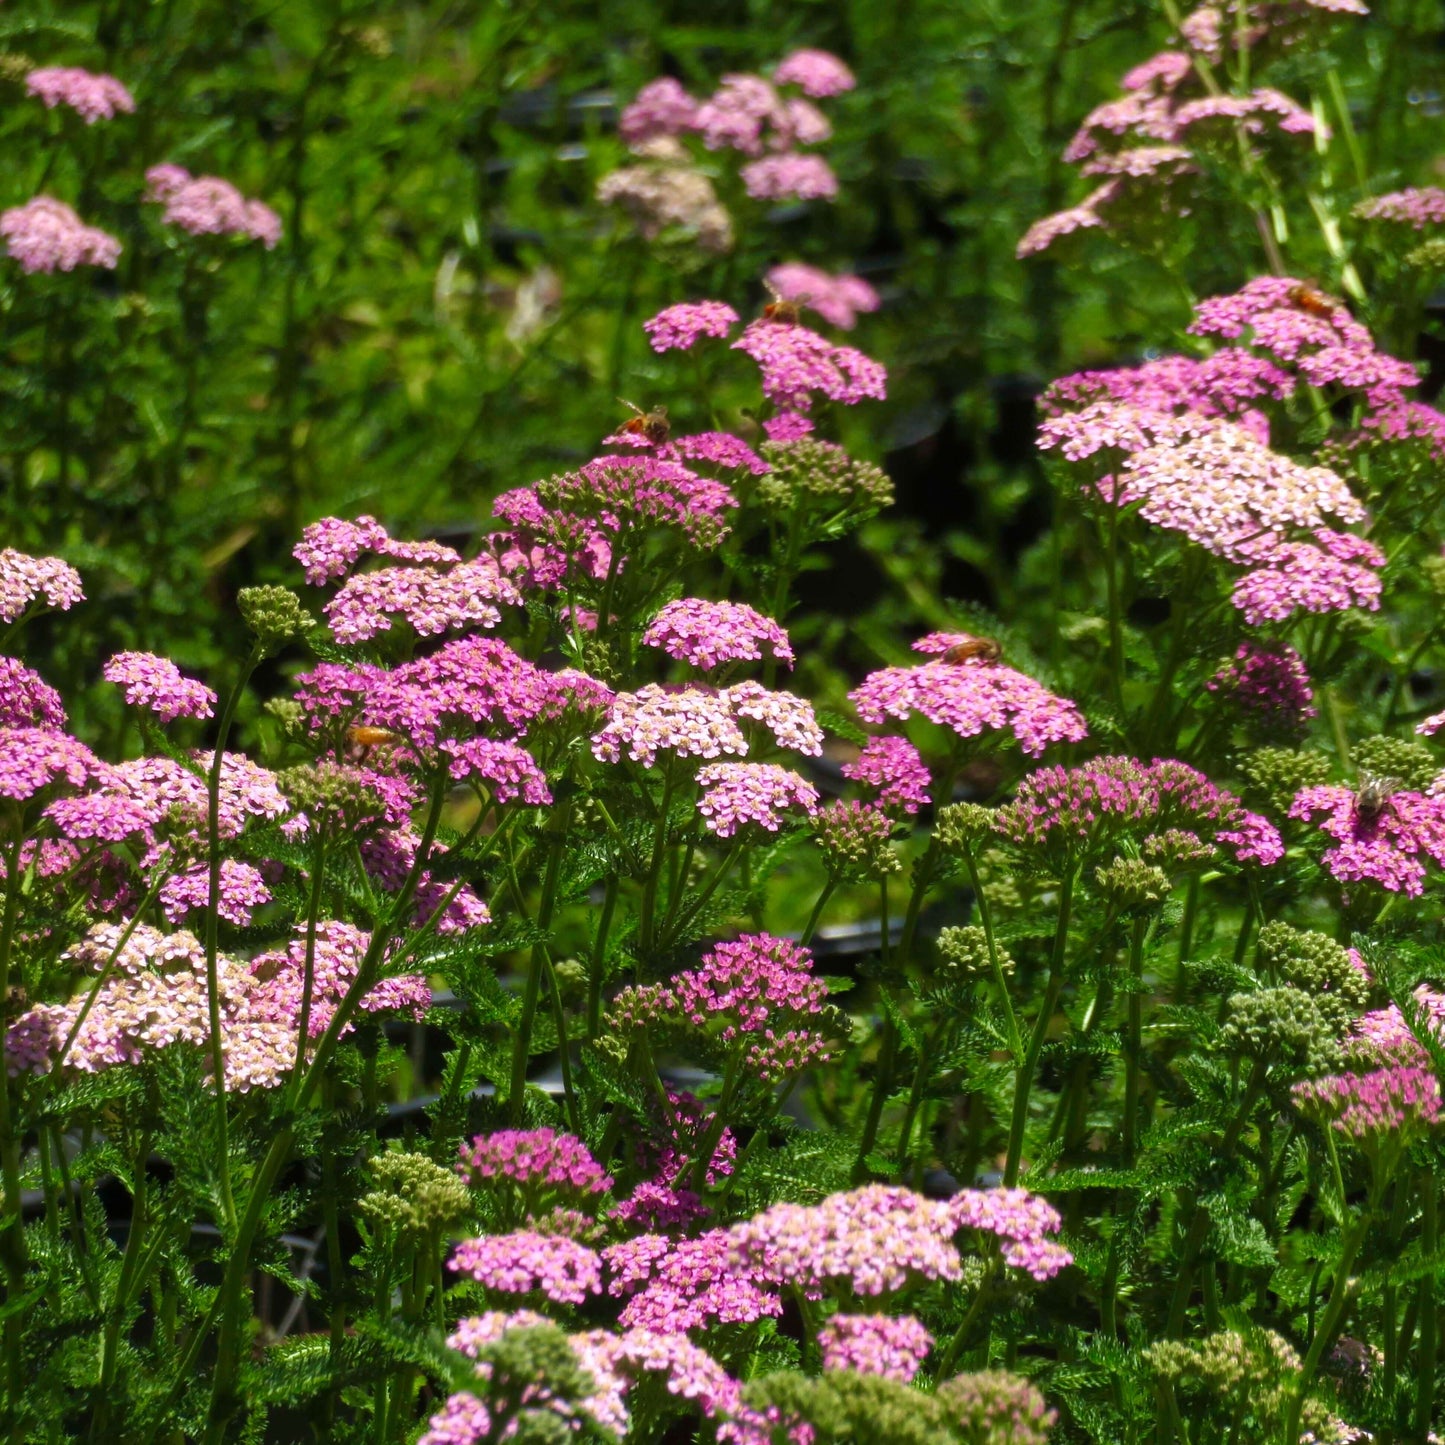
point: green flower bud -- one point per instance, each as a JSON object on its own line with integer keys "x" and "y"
{"x": 965, "y": 950}
{"x": 994, "y": 1407}
{"x": 1281, "y": 1026}
{"x": 1428, "y": 255}
{"x": 571, "y": 976}
{"x": 812, "y": 471}
{"x": 856, "y": 841}
{"x": 414, "y": 1193}
{"x": 960, "y": 827}
{"x": 1314, "y": 962}
{"x": 1275, "y": 775}
{"x": 1411, "y": 762}
{"x": 274, "y": 614}
{"x": 1433, "y": 568}
{"x": 290, "y": 714}
{"x": 1132, "y": 884}
{"x": 333, "y": 793}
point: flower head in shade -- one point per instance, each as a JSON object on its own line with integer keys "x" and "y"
{"x": 23, "y": 579}
{"x": 1074, "y": 810}
{"x": 815, "y": 72}
{"x": 546, "y": 1167}
{"x": 1387, "y": 845}
{"x": 47, "y": 235}
{"x": 808, "y": 474}
{"x": 736, "y": 794}
{"x": 156, "y": 683}
{"x": 970, "y": 698}
{"x": 1256, "y": 112}
{"x": 892, "y": 767}
{"x": 390, "y": 855}
{"x": 756, "y": 998}
{"x": 526, "y": 1262}
{"x": 506, "y": 769}
{"x": 708, "y": 634}
{"x": 796, "y": 362}
{"x": 666, "y": 193}
{"x": 837, "y": 299}
{"x": 685, "y": 1284}
{"x": 655, "y": 1206}
{"x": 1388, "y": 1105}
{"x": 792, "y": 176}
{"x": 660, "y": 108}
{"x": 98, "y": 817}
{"x": 1417, "y": 207}
{"x": 994, "y": 1407}
{"x": 677, "y": 328}
{"x": 1086, "y": 216}
{"x": 209, "y": 206}
{"x": 893, "y": 1346}
{"x": 243, "y": 889}
{"x": 1269, "y": 685}
{"x": 92, "y": 97}
{"x": 26, "y": 699}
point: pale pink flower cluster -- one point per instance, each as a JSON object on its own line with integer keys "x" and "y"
{"x": 893, "y": 1346}
{"x": 506, "y": 768}
{"x": 168, "y": 792}
{"x": 1388, "y": 847}
{"x": 837, "y": 299}
{"x": 677, "y": 328}
{"x": 209, "y": 206}
{"x": 756, "y": 997}
{"x": 685, "y": 1284}
{"x": 1332, "y": 574}
{"x": 1087, "y": 807}
{"x": 796, "y": 363}
{"x": 1088, "y": 215}
{"x": 892, "y": 766}
{"x": 970, "y": 698}
{"x": 26, "y": 699}
{"x": 718, "y": 449}
{"x": 242, "y": 890}
{"x": 736, "y": 794}
{"x": 46, "y": 235}
{"x": 23, "y": 579}
{"x": 156, "y": 683}
{"x": 791, "y": 177}
{"x": 540, "y": 1161}
{"x": 1385, "y": 1038}
{"x": 525, "y": 1262}
{"x": 93, "y": 97}
{"x": 1269, "y": 684}
{"x": 1394, "y": 1103}
{"x": 708, "y": 634}
{"x": 881, "y": 1238}
{"x": 1416, "y": 207}
{"x": 818, "y": 73}
{"x": 431, "y": 601}
{"x": 330, "y": 549}
{"x": 34, "y": 759}
{"x": 697, "y": 722}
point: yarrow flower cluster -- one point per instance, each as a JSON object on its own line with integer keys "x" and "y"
{"x": 1089, "y": 806}
{"x": 209, "y": 206}
{"x": 837, "y": 299}
{"x": 678, "y": 328}
{"x": 685, "y": 1284}
{"x": 156, "y": 683}
{"x": 526, "y": 1262}
{"x": 969, "y": 698}
{"x": 1267, "y": 684}
{"x": 538, "y": 1161}
{"x": 46, "y": 235}
{"x": 796, "y": 363}
{"x": 26, "y": 699}
{"x": 893, "y": 1346}
{"x": 892, "y": 767}
{"x": 1393, "y": 1104}
{"x": 507, "y": 769}
{"x": 736, "y": 794}
{"x": 1387, "y": 846}
{"x": 23, "y": 579}
{"x": 93, "y": 97}
{"x": 708, "y": 634}
{"x": 756, "y": 997}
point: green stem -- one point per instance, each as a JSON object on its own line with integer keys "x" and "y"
{"x": 12, "y": 1225}
{"x": 1024, "y": 1077}
{"x": 985, "y": 918}
{"x": 811, "y": 927}
{"x": 1133, "y": 1043}
{"x": 1429, "y": 1335}
{"x": 595, "y": 974}
{"x": 313, "y": 918}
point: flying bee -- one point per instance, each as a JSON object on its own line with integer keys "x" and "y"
{"x": 782, "y": 310}
{"x": 1308, "y": 297}
{"x": 1372, "y": 794}
{"x": 362, "y": 741}
{"x": 985, "y": 649}
{"x": 650, "y": 424}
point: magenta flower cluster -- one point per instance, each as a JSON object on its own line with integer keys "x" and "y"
{"x": 537, "y": 1160}
{"x": 210, "y": 206}
{"x": 1268, "y": 684}
{"x": 839, "y": 300}
{"x": 893, "y": 1346}
{"x": 736, "y": 794}
{"x": 156, "y": 683}
{"x": 46, "y": 235}
{"x": 93, "y": 97}
{"x": 709, "y": 634}
{"x": 893, "y": 769}
{"x": 1389, "y": 847}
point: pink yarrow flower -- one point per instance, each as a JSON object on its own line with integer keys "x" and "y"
{"x": 506, "y": 769}
{"x": 969, "y": 698}
{"x": 677, "y": 328}
{"x": 818, "y": 73}
{"x": 209, "y": 206}
{"x": 23, "y": 579}
{"x": 431, "y": 602}
{"x": 330, "y": 549}
{"x": 1339, "y": 573}
{"x": 46, "y": 235}
{"x": 1268, "y": 683}
{"x": 790, "y": 177}
{"x": 893, "y": 1346}
{"x": 26, "y": 699}
{"x": 736, "y": 794}
{"x": 837, "y": 299}
{"x": 893, "y": 767}
{"x": 660, "y": 108}
{"x": 1391, "y": 1106}
{"x": 719, "y": 449}
{"x": 708, "y": 634}
{"x": 796, "y": 362}
{"x": 525, "y": 1262}
{"x": 542, "y": 1162}
{"x": 243, "y": 889}
{"x": 93, "y": 97}
{"x": 156, "y": 683}
{"x": 1388, "y": 847}
{"x": 1416, "y": 207}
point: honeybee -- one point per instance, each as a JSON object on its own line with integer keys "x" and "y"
{"x": 782, "y": 310}
{"x": 1308, "y": 297}
{"x": 1372, "y": 793}
{"x": 361, "y": 741}
{"x": 985, "y": 649}
{"x": 653, "y": 424}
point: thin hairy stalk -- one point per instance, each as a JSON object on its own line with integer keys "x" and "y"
{"x": 1024, "y": 1075}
